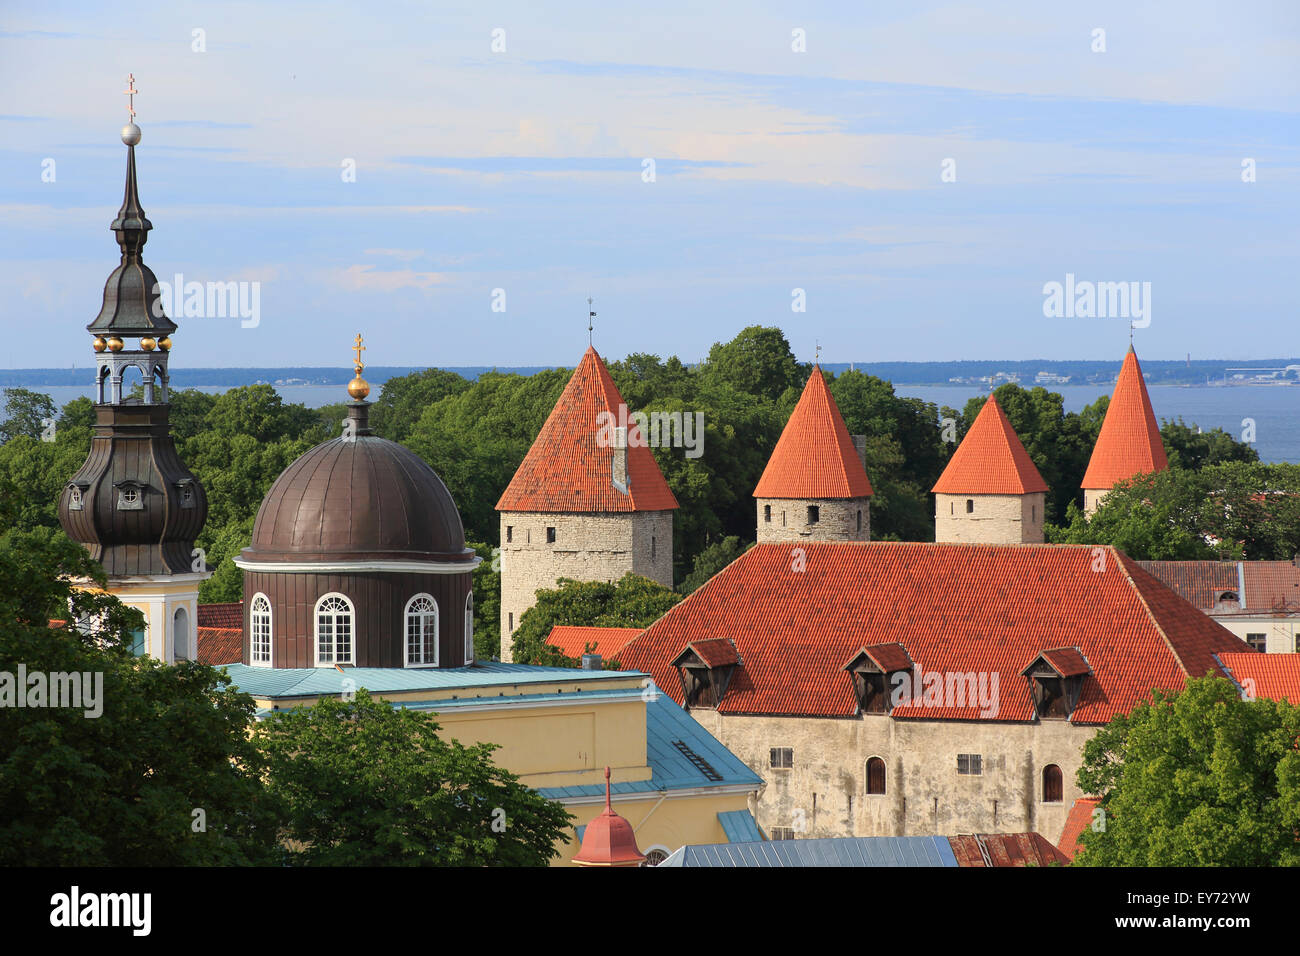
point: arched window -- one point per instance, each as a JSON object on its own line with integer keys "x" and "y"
{"x": 259, "y": 618}
{"x": 469, "y": 628}
{"x": 875, "y": 776}
{"x": 1052, "y": 784}
{"x": 333, "y": 630}
{"x": 421, "y": 631}
{"x": 181, "y": 635}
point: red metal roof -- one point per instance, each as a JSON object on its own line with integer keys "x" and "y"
{"x": 1275, "y": 676}
{"x": 221, "y": 615}
{"x": 990, "y": 460}
{"x": 572, "y": 640}
{"x": 814, "y": 457}
{"x": 568, "y": 469}
{"x": 1005, "y": 849}
{"x": 1129, "y": 443}
{"x": 609, "y": 839}
{"x": 220, "y": 645}
{"x": 954, "y": 607}
{"x": 1079, "y": 819}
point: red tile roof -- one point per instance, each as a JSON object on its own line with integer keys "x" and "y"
{"x": 1005, "y": 849}
{"x": 1067, "y": 661}
{"x": 1079, "y": 819}
{"x": 1271, "y": 585}
{"x": 221, "y": 615}
{"x": 572, "y": 640}
{"x": 568, "y": 470}
{"x": 888, "y": 657}
{"x": 814, "y": 457}
{"x": 220, "y": 645}
{"x": 987, "y": 609}
{"x": 990, "y": 460}
{"x": 1275, "y": 676}
{"x": 1129, "y": 443}
{"x": 1198, "y": 582}
{"x": 717, "y": 652}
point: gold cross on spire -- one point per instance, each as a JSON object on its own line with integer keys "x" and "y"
{"x": 358, "y": 349}
{"x": 130, "y": 92}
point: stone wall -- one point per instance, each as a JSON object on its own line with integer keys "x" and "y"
{"x": 824, "y": 793}
{"x": 1092, "y": 498}
{"x": 587, "y": 547}
{"x": 993, "y": 519}
{"x": 838, "y": 519}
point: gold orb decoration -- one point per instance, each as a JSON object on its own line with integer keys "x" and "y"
{"x": 358, "y": 388}
{"x": 165, "y": 343}
{"x": 115, "y": 344}
{"x": 100, "y": 344}
{"x": 148, "y": 344}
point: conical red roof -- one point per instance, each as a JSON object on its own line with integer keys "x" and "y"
{"x": 1129, "y": 443}
{"x": 569, "y": 470}
{"x": 814, "y": 457}
{"x": 608, "y": 839}
{"x": 990, "y": 460}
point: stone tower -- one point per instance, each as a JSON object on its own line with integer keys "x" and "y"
{"x": 1129, "y": 443}
{"x": 588, "y": 502}
{"x": 990, "y": 493}
{"x": 814, "y": 487}
{"x": 134, "y": 504}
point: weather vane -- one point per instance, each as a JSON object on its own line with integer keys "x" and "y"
{"x": 590, "y": 315}
{"x": 358, "y": 349}
{"x": 818, "y": 351}
{"x": 130, "y": 92}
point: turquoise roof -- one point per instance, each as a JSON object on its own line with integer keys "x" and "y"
{"x": 671, "y": 769}
{"x": 739, "y": 826}
{"x": 829, "y": 851}
{"x": 276, "y": 682}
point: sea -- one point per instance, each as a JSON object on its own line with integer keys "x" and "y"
{"x": 1272, "y": 410}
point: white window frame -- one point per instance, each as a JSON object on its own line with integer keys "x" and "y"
{"x": 406, "y": 630}
{"x": 254, "y": 613}
{"x": 352, "y": 632}
{"x": 469, "y": 628}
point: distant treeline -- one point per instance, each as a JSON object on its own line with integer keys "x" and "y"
{"x": 1157, "y": 371}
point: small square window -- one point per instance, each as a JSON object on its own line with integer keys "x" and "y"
{"x": 782, "y": 833}
{"x": 970, "y": 764}
{"x": 550, "y": 536}
{"x": 814, "y": 514}
{"x": 782, "y": 758}
{"x": 1257, "y": 642}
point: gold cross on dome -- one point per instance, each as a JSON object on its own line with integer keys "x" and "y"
{"x": 358, "y": 349}
{"x": 130, "y": 92}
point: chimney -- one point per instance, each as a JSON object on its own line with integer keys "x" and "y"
{"x": 591, "y": 662}
{"x": 618, "y": 473}
{"x": 860, "y": 446}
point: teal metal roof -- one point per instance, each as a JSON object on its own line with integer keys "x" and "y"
{"x": 830, "y": 851}
{"x": 275, "y": 682}
{"x": 667, "y": 725}
{"x": 739, "y": 826}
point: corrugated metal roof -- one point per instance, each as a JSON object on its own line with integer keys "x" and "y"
{"x": 740, "y": 827}
{"x": 831, "y": 851}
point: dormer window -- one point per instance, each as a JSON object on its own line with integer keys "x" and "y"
{"x": 705, "y": 669}
{"x": 77, "y": 496}
{"x": 186, "y": 487}
{"x": 873, "y": 670}
{"x": 130, "y": 496}
{"x": 1055, "y": 681}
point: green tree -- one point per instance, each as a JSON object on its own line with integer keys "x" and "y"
{"x": 487, "y": 602}
{"x": 758, "y": 362}
{"x": 26, "y": 413}
{"x": 633, "y": 601}
{"x": 711, "y": 560}
{"x": 365, "y": 783}
{"x": 1191, "y": 449}
{"x": 1197, "y": 777}
{"x": 404, "y": 399}
{"x": 121, "y": 788}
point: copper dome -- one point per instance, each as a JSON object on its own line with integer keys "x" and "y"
{"x": 358, "y": 498}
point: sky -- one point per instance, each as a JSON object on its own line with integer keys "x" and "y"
{"x": 920, "y": 171}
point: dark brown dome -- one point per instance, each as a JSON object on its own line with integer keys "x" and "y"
{"x": 358, "y": 498}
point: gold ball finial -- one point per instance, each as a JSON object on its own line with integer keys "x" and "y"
{"x": 115, "y": 344}
{"x": 165, "y": 343}
{"x": 100, "y": 344}
{"x": 148, "y": 344}
{"x": 358, "y": 388}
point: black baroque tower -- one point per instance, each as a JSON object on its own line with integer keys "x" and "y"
{"x": 134, "y": 504}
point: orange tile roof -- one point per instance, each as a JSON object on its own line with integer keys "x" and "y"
{"x": 1275, "y": 676}
{"x": 1005, "y": 849}
{"x": 230, "y": 614}
{"x": 953, "y": 607}
{"x": 1129, "y": 443}
{"x": 1079, "y": 819}
{"x": 220, "y": 645}
{"x": 814, "y": 457}
{"x": 572, "y": 640}
{"x": 990, "y": 460}
{"x": 567, "y": 470}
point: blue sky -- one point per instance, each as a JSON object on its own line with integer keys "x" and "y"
{"x": 522, "y": 170}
